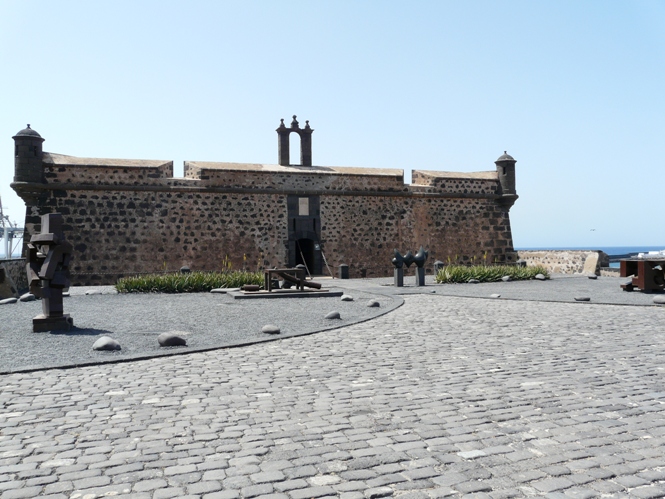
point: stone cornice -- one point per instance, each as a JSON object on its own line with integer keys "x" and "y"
{"x": 34, "y": 187}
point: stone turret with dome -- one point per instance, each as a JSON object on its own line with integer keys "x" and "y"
{"x": 28, "y": 156}
{"x": 505, "y": 169}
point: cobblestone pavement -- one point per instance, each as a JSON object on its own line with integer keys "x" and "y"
{"x": 445, "y": 396}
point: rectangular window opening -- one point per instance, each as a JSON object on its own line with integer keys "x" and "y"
{"x": 303, "y": 207}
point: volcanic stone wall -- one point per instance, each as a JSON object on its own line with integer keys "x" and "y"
{"x": 562, "y": 261}
{"x": 118, "y": 233}
{"x": 61, "y": 169}
{"x": 15, "y": 269}
{"x": 127, "y": 217}
{"x": 363, "y": 231}
{"x": 295, "y": 178}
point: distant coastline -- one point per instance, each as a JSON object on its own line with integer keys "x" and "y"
{"x": 610, "y": 250}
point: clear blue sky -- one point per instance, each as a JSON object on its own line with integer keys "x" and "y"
{"x": 574, "y": 90}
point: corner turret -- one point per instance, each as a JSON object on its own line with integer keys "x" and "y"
{"x": 505, "y": 169}
{"x": 28, "y": 156}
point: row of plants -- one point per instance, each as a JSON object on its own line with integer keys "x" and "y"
{"x": 487, "y": 273}
{"x": 194, "y": 282}
{"x": 201, "y": 282}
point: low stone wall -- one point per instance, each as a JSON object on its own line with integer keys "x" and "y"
{"x": 562, "y": 261}
{"x": 15, "y": 268}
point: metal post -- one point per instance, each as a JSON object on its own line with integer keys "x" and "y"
{"x": 5, "y": 242}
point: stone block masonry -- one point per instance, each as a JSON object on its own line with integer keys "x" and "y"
{"x": 562, "y": 261}
{"x": 15, "y": 269}
{"x": 127, "y": 217}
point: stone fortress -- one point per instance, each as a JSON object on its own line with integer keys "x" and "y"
{"x": 127, "y": 217}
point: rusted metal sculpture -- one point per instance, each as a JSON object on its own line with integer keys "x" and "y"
{"x": 48, "y": 273}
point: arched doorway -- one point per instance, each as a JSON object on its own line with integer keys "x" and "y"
{"x": 305, "y": 254}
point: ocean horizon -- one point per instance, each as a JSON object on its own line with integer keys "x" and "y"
{"x": 610, "y": 250}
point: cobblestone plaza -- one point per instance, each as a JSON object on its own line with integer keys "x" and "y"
{"x": 446, "y": 396}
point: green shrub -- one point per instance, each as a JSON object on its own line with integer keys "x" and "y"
{"x": 194, "y": 282}
{"x": 488, "y": 273}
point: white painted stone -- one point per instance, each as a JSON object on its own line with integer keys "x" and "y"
{"x": 106, "y": 343}
{"x": 591, "y": 265}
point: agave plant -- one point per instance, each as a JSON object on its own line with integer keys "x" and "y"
{"x": 487, "y": 273}
{"x": 194, "y": 282}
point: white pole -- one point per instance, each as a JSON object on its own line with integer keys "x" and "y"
{"x": 5, "y": 236}
{"x": 5, "y": 242}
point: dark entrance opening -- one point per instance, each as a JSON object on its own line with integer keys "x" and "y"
{"x": 305, "y": 254}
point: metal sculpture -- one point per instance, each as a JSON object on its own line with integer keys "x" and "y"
{"x": 408, "y": 259}
{"x": 48, "y": 273}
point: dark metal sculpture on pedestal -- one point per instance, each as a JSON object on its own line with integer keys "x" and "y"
{"x": 419, "y": 259}
{"x": 48, "y": 273}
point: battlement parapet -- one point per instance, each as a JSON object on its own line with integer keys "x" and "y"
{"x": 264, "y": 176}
{"x": 457, "y": 182}
{"x": 62, "y": 169}
{"x": 107, "y": 172}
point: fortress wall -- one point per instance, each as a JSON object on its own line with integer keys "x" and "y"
{"x": 561, "y": 261}
{"x": 125, "y": 217}
{"x": 15, "y": 268}
{"x": 106, "y": 175}
{"x": 458, "y": 183}
{"x": 363, "y": 231}
{"x": 122, "y": 233}
{"x": 125, "y": 232}
{"x": 296, "y": 179}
